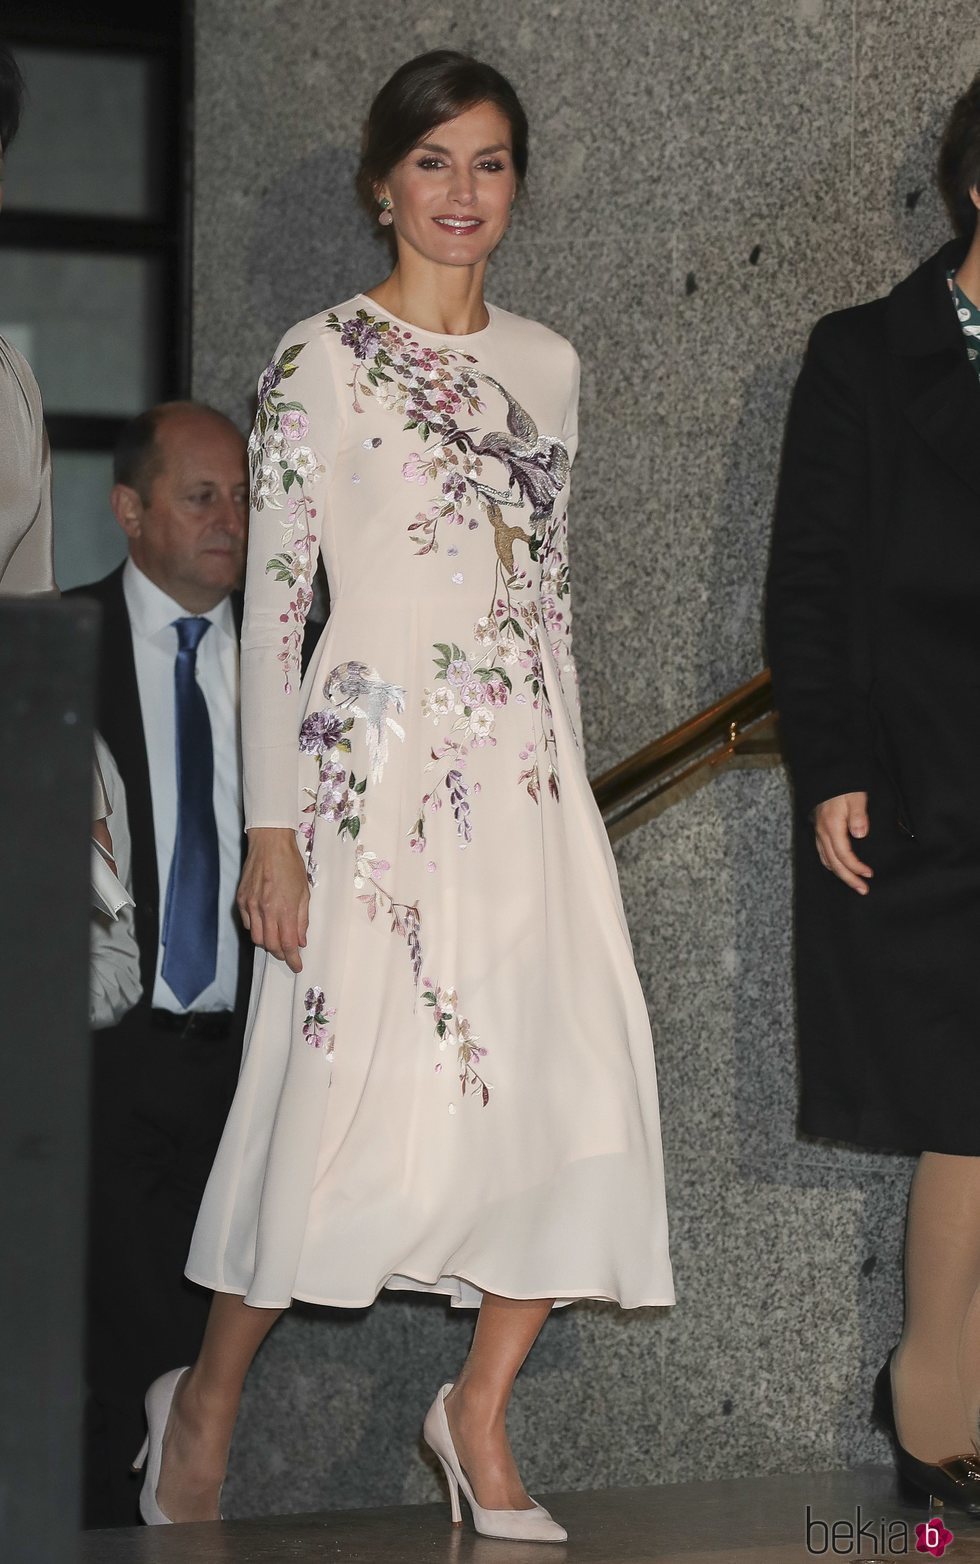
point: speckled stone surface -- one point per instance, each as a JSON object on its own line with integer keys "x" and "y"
{"x": 706, "y": 180}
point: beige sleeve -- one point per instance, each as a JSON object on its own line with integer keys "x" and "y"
{"x": 293, "y": 445}
{"x": 556, "y": 595}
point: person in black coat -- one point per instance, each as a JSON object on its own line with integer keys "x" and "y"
{"x": 873, "y": 621}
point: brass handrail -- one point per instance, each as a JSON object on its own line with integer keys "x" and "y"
{"x": 741, "y": 726}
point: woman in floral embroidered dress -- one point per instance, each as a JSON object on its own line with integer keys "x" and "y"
{"x": 449, "y": 1082}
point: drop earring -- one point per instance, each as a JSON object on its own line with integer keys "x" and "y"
{"x": 385, "y": 218}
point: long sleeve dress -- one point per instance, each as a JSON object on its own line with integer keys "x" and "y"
{"x": 458, "y": 1093}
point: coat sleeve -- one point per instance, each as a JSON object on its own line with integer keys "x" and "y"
{"x": 812, "y": 607}
{"x": 291, "y": 452}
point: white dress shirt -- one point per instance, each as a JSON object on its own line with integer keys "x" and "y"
{"x": 151, "y": 616}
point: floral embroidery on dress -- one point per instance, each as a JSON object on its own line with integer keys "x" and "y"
{"x": 317, "y": 1023}
{"x": 450, "y": 1027}
{"x": 280, "y": 462}
{"x": 406, "y": 921}
{"x": 477, "y": 684}
{"x": 506, "y": 481}
{"x": 338, "y": 795}
{"x": 428, "y": 386}
{"x": 431, "y": 386}
{"x": 355, "y": 692}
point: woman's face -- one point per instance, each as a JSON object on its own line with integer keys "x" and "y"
{"x": 451, "y": 196}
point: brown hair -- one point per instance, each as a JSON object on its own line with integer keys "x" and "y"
{"x": 426, "y": 92}
{"x": 959, "y": 160}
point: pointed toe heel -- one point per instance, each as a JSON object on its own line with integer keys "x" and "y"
{"x": 954, "y": 1481}
{"x": 159, "y": 1401}
{"x": 533, "y": 1525}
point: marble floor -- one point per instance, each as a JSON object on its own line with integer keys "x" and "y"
{"x": 759, "y": 1520}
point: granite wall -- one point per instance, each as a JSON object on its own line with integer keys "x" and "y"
{"x": 706, "y": 179}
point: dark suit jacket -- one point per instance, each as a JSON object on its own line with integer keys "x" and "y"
{"x": 874, "y": 638}
{"x": 120, "y": 721}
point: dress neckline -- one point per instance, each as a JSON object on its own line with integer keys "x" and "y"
{"x": 442, "y": 336}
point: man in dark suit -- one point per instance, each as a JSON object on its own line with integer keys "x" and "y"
{"x": 163, "y": 1077}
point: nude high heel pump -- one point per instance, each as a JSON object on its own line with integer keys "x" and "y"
{"x": 534, "y": 1525}
{"x": 159, "y": 1400}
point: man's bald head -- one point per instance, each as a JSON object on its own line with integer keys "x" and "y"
{"x": 137, "y": 458}
{"x": 180, "y": 495}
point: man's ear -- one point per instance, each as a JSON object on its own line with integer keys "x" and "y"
{"x": 127, "y": 507}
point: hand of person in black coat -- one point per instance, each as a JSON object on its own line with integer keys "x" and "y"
{"x": 835, "y": 822}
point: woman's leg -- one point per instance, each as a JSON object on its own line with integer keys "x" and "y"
{"x": 476, "y": 1407}
{"x": 970, "y": 1367}
{"x": 198, "y": 1438}
{"x": 936, "y": 1375}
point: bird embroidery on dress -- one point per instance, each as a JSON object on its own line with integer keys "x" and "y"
{"x": 538, "y": 467}
{"x": 504, "y": 537}
{"x": 357, "y": 689}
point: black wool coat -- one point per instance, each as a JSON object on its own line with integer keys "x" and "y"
{"x": 873, "y": 625}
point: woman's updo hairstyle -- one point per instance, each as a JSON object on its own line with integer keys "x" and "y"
{"x": 959, "y": 160}
{"x": 426, "y": 92}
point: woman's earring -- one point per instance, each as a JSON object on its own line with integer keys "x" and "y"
{"x": 385, "y": 217}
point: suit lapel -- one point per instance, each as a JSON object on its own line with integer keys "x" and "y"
{"x": 121, "y": 723}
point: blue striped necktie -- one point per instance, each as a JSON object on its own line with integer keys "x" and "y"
{"x": 190, "y": 922}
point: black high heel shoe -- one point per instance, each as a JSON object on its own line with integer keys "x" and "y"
{"x": 954, "y": 1481}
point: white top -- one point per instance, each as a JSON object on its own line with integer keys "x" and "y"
{"x": 114, "y": 977}
{"x": 151, "y": 615}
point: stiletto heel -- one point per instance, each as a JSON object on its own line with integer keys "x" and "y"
{"x": 533, "y": 1525}
{"x": 453, "y": 1485}
{"x": 159, "y": 1400}
{"x": 954, "y": 1481}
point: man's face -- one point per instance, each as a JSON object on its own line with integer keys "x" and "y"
{"x": 188, "y": 535}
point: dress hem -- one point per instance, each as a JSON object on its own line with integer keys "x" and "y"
{"x": 562, "y": 1297}
{"x": 827, "y": 1120}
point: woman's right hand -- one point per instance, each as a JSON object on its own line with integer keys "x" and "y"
{"x": 835, "y": 822}
{"x": 274, "y": 894}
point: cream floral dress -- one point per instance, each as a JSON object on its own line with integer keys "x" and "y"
{"x": 458, "y": 1092}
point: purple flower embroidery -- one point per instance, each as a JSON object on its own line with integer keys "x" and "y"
{"x": 362, "y": 337}
{"x": 269, "y": 381}
{"x": 318, "y": 1019}
{"x": 320, "y": 732}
